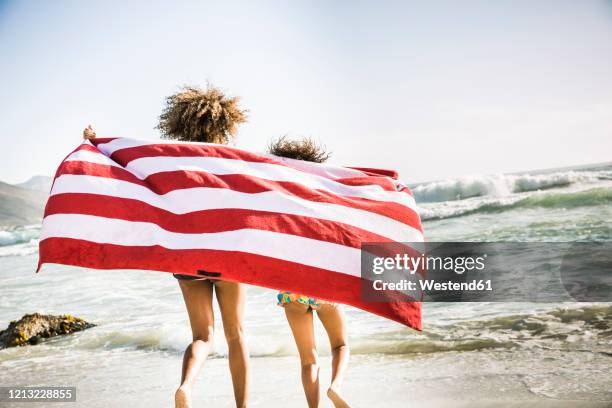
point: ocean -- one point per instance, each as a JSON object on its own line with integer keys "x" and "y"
{"x": 476, "y": 354}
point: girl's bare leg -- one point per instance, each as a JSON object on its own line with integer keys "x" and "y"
{"x": 300, "y": 320}
{"x": 198, "y": 299}
{"x": 231, "y": 297}
{"x": 332, "y": 317}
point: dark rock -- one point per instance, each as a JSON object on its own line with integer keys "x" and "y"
{"x": 32, "y": 328}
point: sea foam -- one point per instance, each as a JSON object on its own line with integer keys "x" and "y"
{"x": 19, "y": 235}
{"x": 500, "y": 185}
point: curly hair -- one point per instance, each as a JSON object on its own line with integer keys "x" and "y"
{"x": 303, "y": 149}
{"x": 201, "y": 115}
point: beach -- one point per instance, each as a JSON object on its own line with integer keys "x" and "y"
{"x": 476, "y": 354}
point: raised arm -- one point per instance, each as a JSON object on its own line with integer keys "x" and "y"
{"x": 89, "y": 133}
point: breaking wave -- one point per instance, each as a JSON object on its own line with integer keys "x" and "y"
{"x": 586, "y": 328}
{"x": 588, "y": 198}
{"x": 502, "y": 185}
{"x": 19, "y": 235}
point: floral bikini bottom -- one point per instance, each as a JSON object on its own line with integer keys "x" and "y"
{"x": 285, "y": 297}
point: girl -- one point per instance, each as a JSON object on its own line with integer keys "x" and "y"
{"x": 299, "y": 309}
{"x": 209, "y": 116}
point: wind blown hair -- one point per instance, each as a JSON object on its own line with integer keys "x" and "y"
{"x": 201, "y": 115}
{"x": 303, "y": 149}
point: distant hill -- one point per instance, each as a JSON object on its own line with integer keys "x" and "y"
{"x": 21, "y": 206}
{"x": 38, "y": 183}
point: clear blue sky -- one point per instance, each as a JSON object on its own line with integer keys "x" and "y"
{"x": 435, "y": 89}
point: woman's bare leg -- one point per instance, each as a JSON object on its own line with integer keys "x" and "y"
{"x": 332, "y": 317}
{"x": 231, "y": 297}
{"x": 300, "y": 320}
{"x": 198, "y": 300}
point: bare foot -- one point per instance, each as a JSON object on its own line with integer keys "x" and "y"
{"x": 334, "y": 395}
{"x": 182, "y": 398}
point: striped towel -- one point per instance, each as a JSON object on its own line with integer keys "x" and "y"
{"x": 119, "y": 203}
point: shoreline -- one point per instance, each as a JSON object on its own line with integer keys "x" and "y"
{"x": 372, "y": 380}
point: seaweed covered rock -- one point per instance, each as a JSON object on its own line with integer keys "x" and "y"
{"x": 32, "y": 328}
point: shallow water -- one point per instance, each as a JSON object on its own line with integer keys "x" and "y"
{"x": 481, "y": 354}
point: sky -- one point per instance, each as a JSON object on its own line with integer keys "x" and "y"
{"x": 436, "y": 89}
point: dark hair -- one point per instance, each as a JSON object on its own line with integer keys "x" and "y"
{"x": 201, "y": 115}
{"x": 303, "y": 149}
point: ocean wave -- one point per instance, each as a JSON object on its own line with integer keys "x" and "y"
{"x": 587, "y": 328}
{"x": 579, "y": 328}
{"x": 19, "y": 235}
{"x": 594, "y": 318}
{"x": 428, "y": 346}
{"x": 588, "y": 198}
{"x": 172, "y": 340}
{"x": 501, "y": 185}
{"x": 29, "y": 248}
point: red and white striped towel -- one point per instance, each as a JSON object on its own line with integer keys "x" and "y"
{"x": 120, "y": 203}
